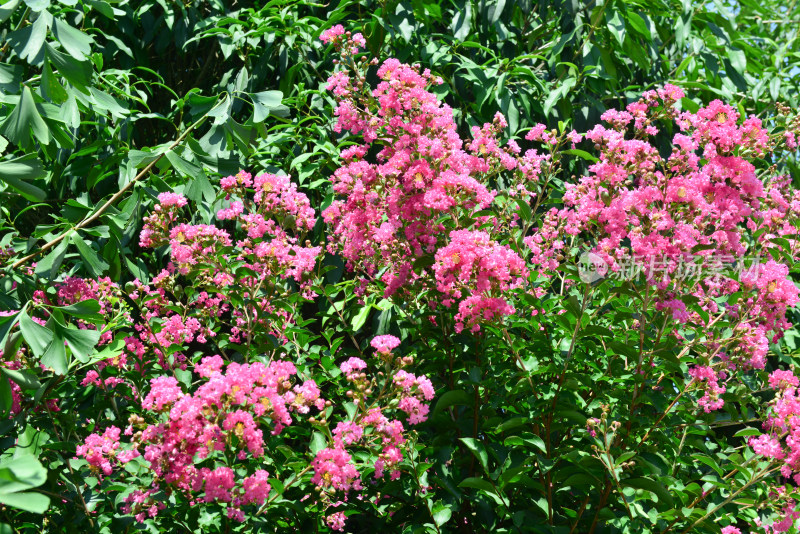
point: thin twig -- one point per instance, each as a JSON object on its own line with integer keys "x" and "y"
{"x": 96, "y": 215}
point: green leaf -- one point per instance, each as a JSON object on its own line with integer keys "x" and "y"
{"x": 24, "y": 379}
{"x": 29, "y": 442}
{"x": 16, "y": 171}
{"x": 35, "y": 335}
{"x": 78, "y": 73}
{"x": 451, "y": 398}
{"x": 48, "y": 266}
{"x": 181, "y": 165}
{"x": 74, "y": 41}
{"x": 709, "y": 462}
{"x": 477, "y": 483}
{"x": 80, "y": 342}
{"x": 497, "y": 11}
{"x": 775, "y": 87}
{"x": 30, "y": 502}
{"x": 478, "y": 450}
{"x": 10, "y": 78}
{"x": 51, "y": 88}
{"x": 462, "y": 22}
{"x": 318, "y": 442}
{"x": 25, "y": 117}
{"x": 7, "y": 322}
{"x": 200, "y": 188}
{"x": 104, "y": 8}
{"x": 616, "y": 25}
{"x": 55, "y": 357}
{"x": 6, "y": 396}
{"x": 514, "y": 422}
{"x": 402, "y": 18}
{"x": 581, "y": 154}
{"x": 268, "y": 103}
{"x": 7, "y": 9}
{"x": 85, "y": 309}
{"x": 110, "y": 351}
{"x": 524, "y": 209}
{"x": 93, "y": 263}
{"x": 747, "y": 432}
{"x": 19, "y": 474}
{"x": 536, "y": 441}
{"x": 637, "y": 23}
{"x": 738, "y": 60}
{"x": 105, "y": 101}
{"x": 361, "y": 317}
{"x": 624, "y": 457}
{"x": 27, "y": 42}
{"x": 221, "y": 112}
{"x": 648, "y": 484}
{"x": 442, "y": 516}
{"x": 38, "y": 5}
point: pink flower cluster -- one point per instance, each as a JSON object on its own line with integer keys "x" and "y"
{"x": 101, "y": 451}
{"x": 157, "y": 223}
{"x": 782, "y": 440}
{"x": 671, "y": 211}
{"x": 786, "y": 511}
{"x": 385, "y": 344}
{"x": 480, "y": 270}
{"x": 344, "y": 41}
{"x": 710, "y": 382}
{"x": 276, "y": 211}
{"x": 226, "y": 413}
{"x": 335, "y": 468}
{"x": 413, "y": 390}
{"x": 271, "y": 216}
{"x": 388, "y": 214}
{"x": 275, "y": 196}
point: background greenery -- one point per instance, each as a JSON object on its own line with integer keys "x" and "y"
{"x": 98, "y": 97}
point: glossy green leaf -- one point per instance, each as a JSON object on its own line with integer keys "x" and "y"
{"x": 637, "y": 23}
{"x": 268, "y": 103}
{"x": 23, "y": 120}
{"x": 48, "y": 266}
{"x": 18, "y": 172}
{"x": 77, "y": 43}
{"x": 93, "y": 263}
{"x": 77, "y": 72}
{"x": 479, "y": 450}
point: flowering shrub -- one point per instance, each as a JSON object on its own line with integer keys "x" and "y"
{"x": 498, "y": 386}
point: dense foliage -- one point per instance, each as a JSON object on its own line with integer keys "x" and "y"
{"x": 415, "y": 266}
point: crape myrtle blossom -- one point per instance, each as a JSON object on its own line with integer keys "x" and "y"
{"x": 386, "y": 217}
{"x": 787, "y": 511}
{"x": 274, "y": 221}
{"x": 228, "y": 412}
{"x": 781, "y": 442}
{"x": 258, "y": 237}
{"x": 385, "y": 344}
{"x": 336, "y": 521}
{"x": 334, "y": 467}
{"x": 232, "y": 412}
{"x": 102, "y": 451}
{"x": 671, "y": 210}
